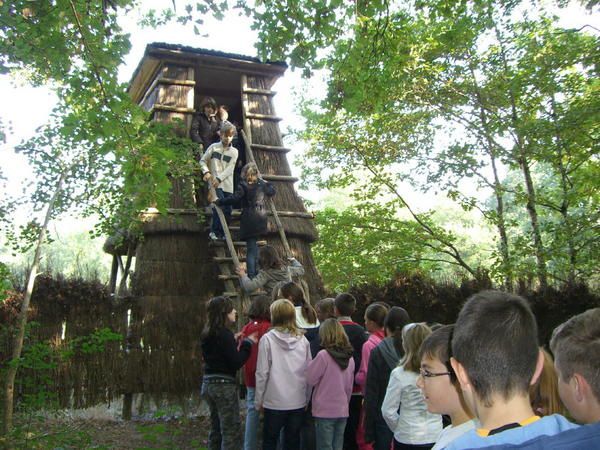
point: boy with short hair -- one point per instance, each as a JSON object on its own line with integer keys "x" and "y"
{"x": 205, "y": 126}
{"x": 217, "y": 165}
{"x": 344, "y": 307}
{"x": 496, "y": 357}
{"x": 576, "y": 348}
{"x": 440, "y": 388}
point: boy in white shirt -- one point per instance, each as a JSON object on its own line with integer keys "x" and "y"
{"x": 217, "y": 165}
{"x": 438, "y": 383}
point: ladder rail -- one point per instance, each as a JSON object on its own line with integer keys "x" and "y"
{"x": 270, "y": 202}
{"x": 247, "y": 137}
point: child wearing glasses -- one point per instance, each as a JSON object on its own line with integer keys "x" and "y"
{"x": 495, "y": 362}
{"x": 404, "y": 408}
{"x": 440, "y": 387}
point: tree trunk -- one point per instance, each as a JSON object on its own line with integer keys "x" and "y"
{"x": 531, "y": 206}
{"x": 523, "y": 161}
{"x": 564, "y": 206}
{"x": 500, "y": 221}
{"x": 22, "y": 319}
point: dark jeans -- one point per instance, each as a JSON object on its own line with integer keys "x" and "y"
{"x": 216, "y": 226}
{"x": 352, "y": 423}
{"x": 290, "y": 421}
{"x": 251, "y": 256}
{"x": 383, "y": 435}
{"x": 401, "y": 446}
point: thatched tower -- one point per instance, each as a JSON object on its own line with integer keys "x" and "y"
{"x": 176, "y": 270}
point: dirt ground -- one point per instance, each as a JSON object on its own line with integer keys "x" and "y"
{"x": 109, "y": 434}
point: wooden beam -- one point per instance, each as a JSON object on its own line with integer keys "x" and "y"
{"x": 287, "y": 178}
{"x": 255, "y": 91}
{"x": 235, "y": 243}
{"x": 258, "y": 116}
{"x": 172, "y": 109}
{"x": 271, "y": 148}
{"x": 226, "y": 259}
{"x": 300, "y": 214}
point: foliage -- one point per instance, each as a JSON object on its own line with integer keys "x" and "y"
{"x": 431, "y": 300}
{"x": 38, "y": 363}
{"x": 453, "y": 97}
{"x": 5, "y": 283}
{"x": 368, "y": 243}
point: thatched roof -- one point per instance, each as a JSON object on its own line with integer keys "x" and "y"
{"x": 158, "y": 52}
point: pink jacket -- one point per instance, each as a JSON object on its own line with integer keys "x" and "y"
{"x": 281, "y": 371}
{"x": 332, "y": 386}
{"x": 372, "y": 342}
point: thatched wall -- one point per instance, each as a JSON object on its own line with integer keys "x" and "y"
{"x": 158, "y": 352}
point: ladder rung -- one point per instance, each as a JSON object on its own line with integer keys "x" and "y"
{"x": 225, "y": 259}
{"x": 220, "y": 243}
{"x": 288, "y": 178}
{"x": 263, "y": 117}
{"x": 271, "y": 148}
{"x": 249, "y": 90}
{"x": 228, "y": 277}
{"x": 236, "y": 214}
{"x": 231, "y": 228}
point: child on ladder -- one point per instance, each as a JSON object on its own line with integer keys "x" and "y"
{"x": 217, "y": 165}
{"x": 252, "y": 192}
{"x": 272, "y": 271}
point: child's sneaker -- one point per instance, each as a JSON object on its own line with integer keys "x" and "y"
{"x": 212, "y": 236}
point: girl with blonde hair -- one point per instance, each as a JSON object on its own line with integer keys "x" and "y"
{"x": 281, "y": 388}
{"x": 252, "y": 192}
{"x": 332, "y": 375}
{"x": 544, "y": 396}
{"x": 414, "y": 427}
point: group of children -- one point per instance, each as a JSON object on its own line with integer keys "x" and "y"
{"x": 320, "y": 380}
{"x": 218, "y": 163}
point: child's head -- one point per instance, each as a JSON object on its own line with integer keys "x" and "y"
{"x": 268, "y": 258}
{"x": 332, "y": 334}
{"x": 375, "y": 317}
{"x": 227, "y": 132}
{"x": 325, "y": 309}
{"x": 283, "y": 316}
{"x": 413, "y": 336}
{"x": 544, "y": 396}
{"x": 345, "y": 305}
{"x": 260, "y": 308}
{"x": 295, "y": 294}
{"x": 437, "y": 379}
{"x": 495, "y": 348}
{"x": 394, "y": 322}
{"x": 223, "y": 112}
{"x": 208, "y": 106}
{"x": 250, "y": 173}
{"x": 220, "y": 313}
{"x": 576, "y": 348}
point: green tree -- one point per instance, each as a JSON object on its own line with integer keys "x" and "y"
{"x": 99, "y": 154}
{"x": 450, "y": 91}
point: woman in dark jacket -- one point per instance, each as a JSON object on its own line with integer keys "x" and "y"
{"x": 384, "y": 358}
{"x": 252, "y": 192}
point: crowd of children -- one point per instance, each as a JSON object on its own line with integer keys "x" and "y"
{"x": 394, "y": 383}
{"x": 319, "y": 380}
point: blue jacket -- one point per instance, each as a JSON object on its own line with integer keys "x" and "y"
{"x": 581, "y": 438}
{"x": 549, "y": 426}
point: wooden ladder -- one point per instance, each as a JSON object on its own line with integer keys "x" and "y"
{"x": 247, "y": 138}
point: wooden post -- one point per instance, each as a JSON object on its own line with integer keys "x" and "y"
{"x": 114, "y": 270}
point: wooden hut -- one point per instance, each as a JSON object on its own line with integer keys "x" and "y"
{"x": 176, "y": 268}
